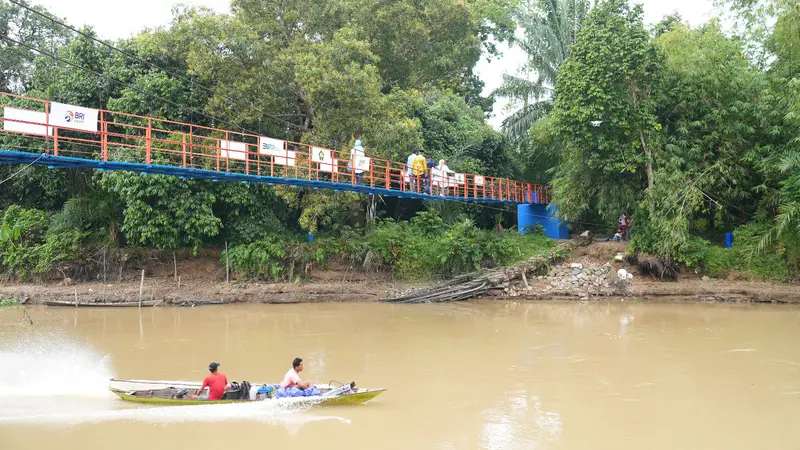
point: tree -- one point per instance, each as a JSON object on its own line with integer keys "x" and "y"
{"x": 163, "y": 212}
{"x": 32, "y": 30}
{"x": 550, "y": 28}
{"x": 710, "y": 103}
{"x": 779, "y": 158}
{"x": 609, "y": 79}
{"x": 430, "y": 43}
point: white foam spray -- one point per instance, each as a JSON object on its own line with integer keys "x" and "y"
{"x": 50, "y": 364}
{"x": 49, "y": 378}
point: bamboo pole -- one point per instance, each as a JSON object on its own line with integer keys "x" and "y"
{"x": 141, "y": 286}
{"x": 227, "y": 264}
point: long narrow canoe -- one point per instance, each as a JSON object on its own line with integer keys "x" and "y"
{"x": 72, "y": 304}
{"x": 169, "y": 393}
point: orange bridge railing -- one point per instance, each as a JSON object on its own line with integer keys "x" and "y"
{"x": 60, "y": 130}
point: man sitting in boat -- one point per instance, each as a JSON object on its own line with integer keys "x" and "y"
{"x": 217, "y": 384}
{"x": 293, "y": 386}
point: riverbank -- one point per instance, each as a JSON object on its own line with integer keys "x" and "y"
{"x": 589, "y": 274}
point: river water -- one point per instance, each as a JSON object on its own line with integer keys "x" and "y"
{"x": 494, "y": 375}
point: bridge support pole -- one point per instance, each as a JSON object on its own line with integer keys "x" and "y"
{"x": 531, "y": 215}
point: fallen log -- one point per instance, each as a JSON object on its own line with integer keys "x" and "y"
{"x": 471, "y": 285}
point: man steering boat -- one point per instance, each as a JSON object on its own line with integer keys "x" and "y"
{"x": 293, "y": 386}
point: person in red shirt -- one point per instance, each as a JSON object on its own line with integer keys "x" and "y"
{"x": 217, "y": 383}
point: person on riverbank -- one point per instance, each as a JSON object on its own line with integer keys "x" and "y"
{"x": 293, "y": 386}
{"x": 217, "y": 384}
{"x": 625, "y": 226}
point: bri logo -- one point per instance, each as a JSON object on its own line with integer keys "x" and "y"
{"x": 77, "y": 117}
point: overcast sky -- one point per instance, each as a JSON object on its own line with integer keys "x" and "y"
{"x": 125, "y": 19}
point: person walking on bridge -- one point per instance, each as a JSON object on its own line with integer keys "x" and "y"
{"x": 410, "y": 171}
{"x": 444, "y": 173}
{"x": 419, "y": 166}
{"x": 430, "y": 165}
{"x": 355, "y": 153}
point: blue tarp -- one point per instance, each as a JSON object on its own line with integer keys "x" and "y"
{"x": 295, "y": 391}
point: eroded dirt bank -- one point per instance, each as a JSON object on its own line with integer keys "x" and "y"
{"x": 588, "y": 275}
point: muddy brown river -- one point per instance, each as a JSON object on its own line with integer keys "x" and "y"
{"x": 494, "y": 375}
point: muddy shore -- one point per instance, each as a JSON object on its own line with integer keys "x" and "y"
{"x": 202, "y": 280}
{"x": 191, "y": 293}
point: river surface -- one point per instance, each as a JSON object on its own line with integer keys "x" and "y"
{"x": 494, "y": 375}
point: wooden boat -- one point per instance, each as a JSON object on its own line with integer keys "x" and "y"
{"x": 175, "y": 393}
{"x": 100, "y": 304}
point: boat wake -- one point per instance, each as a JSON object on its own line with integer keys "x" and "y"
{"x": 50, "y": 378}
{"x": 288, "y": 416}
{"x": 50, "y": 364}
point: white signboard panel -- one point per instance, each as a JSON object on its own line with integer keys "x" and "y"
{"x": 479, "y": 180}
{"x": 27, "y": 116}
{"x": 362, "y": 163}
{"x": 321, "y": 155}
{"x": 272, "y": 147}
{"x": 290, "y": 159}
{"x": 330, "y": 167}
{"x": 460, "y": 178}
{"x": 233, "y": 150}
{"x": 75, "y": 117}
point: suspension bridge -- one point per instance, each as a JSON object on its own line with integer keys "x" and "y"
{"x": 62, "y": 136}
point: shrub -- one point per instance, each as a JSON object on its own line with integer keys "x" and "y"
{"x": 260, "y": 259}
{"x": 422, "y": 249}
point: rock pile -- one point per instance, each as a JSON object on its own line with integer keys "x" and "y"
{"x": 576, "y": 277}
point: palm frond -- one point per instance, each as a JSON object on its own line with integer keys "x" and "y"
{"x": 516, "y": 88}
{"x": 520, "y": 122}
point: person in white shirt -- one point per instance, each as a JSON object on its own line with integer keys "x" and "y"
{"x": 410, "y": 172}
{"x": 357, "y": 151}
{"x": 443, "y": 176}
{"x": 292, "y": 377}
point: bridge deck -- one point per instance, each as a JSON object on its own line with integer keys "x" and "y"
{"x": 40, "y": 132}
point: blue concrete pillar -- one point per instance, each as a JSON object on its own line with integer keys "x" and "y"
{"x": 544, "y": 215}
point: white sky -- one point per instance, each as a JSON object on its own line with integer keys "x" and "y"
{"x": 121, "y": 19}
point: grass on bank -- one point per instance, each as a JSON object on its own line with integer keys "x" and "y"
{"x": 746, "y": 259}
{"x": 33, "y": 245}
{"x": 4, "y": 302}
{"x": 424, "y": 248}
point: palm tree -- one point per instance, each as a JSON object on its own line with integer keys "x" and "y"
{"x": 550, "y": 27}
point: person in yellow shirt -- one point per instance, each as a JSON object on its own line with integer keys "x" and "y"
{"x": 419, "y": 166}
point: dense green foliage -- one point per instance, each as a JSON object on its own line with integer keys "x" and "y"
{"x": 550, "y": 28}
{"x": 398, "y": 75}
{"x": 693, "y": 131}
{"x": 422, "y": 248}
